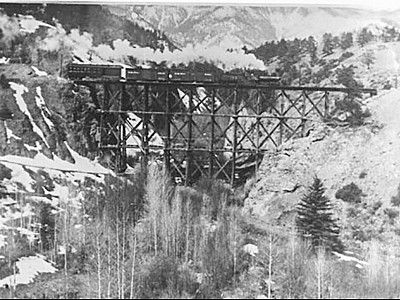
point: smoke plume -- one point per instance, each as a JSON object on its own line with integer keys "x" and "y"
{"x": 58, "y": 39}
{"x": 221, "y": 58}
{"x": 10, "y": 29}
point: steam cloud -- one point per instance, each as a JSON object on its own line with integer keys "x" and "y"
{"x": 10, "y": 29}
{"x": 58, "y": 39}
{"x": 226, "y": 60}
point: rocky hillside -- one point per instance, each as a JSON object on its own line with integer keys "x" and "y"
{"x": 366, "y": 156}
{"x": 360, "y": 160}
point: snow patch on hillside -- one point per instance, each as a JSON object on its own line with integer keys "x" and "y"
{"x": 10, "y": 134}
{"x": 43, "y": 108}
{"x": 40, "y": 161}
{"x": 19, "y": 91}
{"x": 85, "y": 165}
{"x": 57, "y": 169}
{"x": 4, "y": 60}
{"x": 28, "y": 268}
{"x": 19, "y": 176}
{"x": 37, "y": 148}
{"x": 342, "y": 257}
{"x": 38, "y": 72}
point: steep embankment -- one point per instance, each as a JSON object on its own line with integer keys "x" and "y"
{"x": 367, "y": 156}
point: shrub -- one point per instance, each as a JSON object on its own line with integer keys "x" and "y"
{"x": 376, "y": 205}
{"x": 356, "y": 115}
{"x": 387, "y": 86}
{"x": 4, "y": 172}
{"x": 363, "y": 174}
{"x": 345, "y": 56}
{"x": 163, "y": 274}
{"x": 391, "y": 213}
{"x": 349, "y": 193}
{"x": 352, "y": 212}
{"x": 396, "y": 199}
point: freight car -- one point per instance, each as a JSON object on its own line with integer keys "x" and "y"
{"x": 116, "y": 72}
{"x": 183, "y": 75}
{"x": 80, "y": 71}
{"x": 137, "y": 74}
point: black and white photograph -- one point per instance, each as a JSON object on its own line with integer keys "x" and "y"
{"x": 199, "y": 149}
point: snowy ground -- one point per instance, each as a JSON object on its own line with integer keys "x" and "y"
{"x": 27, "y": 269}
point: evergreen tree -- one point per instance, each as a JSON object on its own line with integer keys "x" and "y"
{"x": 335, "y": 42}
{"x": 294, "y": 50}
{"x": 314, "y": 219}
{"x": 368, "y": 58}
{"x": 346, "y": 40}
{"x": 312, "y": 45}
{"x": 389, "y": 34}
{"x": 282, "y": 48}
{"x": 312, "y": 48}
{"x": 327, "y": 46}
{"x": 364, "y": 37}
{"x": 345, "y": 76}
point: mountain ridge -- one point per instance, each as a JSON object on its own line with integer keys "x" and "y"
{"x": 250, "y": 25}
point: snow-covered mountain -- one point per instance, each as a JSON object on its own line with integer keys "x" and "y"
{"x": 235, "y": 26}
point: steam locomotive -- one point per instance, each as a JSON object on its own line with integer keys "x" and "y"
{"x": 117, "y": 72}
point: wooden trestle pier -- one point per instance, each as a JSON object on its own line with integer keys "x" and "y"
{"x": 204, "y": 129}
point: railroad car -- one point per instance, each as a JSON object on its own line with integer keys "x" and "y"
{"x": 133, "y": 74}
{"x": 204, "y": 77}
{"x": 162, "y": 75}
{"x": 137, "y": 74}
{"x": 94, "y": 71}
{"x": 113, "y": 72}
{"x": 85, "y": 70}
{"x": 181, "y": 75}
{"x": 148, "y": 74}
{"x": 232, "y": 77}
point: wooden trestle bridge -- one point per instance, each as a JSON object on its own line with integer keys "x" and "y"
{"x": 204, "y": 129}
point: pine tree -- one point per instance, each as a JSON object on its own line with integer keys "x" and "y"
{"x": 346, "y": 40}
{"x": 314, "y": 219}
{"x": 345, "y": 76}
{"x": 328, "y": 46}
{"x": 368, "y": 58}
{"x": 364, "y": 37}
{"x": 312, "y": 48}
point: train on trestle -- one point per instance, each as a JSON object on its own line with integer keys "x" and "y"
{"x": 117, "y": 72}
